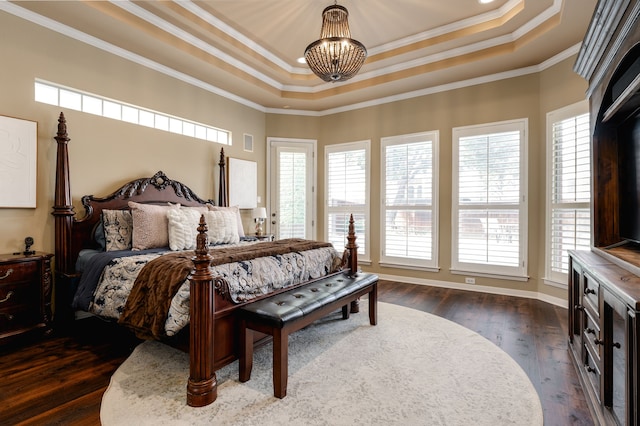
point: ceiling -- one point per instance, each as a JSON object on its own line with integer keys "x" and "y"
{"x": 247, "y": 50}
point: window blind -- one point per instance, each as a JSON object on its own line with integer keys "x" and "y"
{"x": 292, "y": 198}
{"x": 570, "y": 190}
{"x": 408, "y": 174}
{"x": 347, "y": 193}
{"x": 489, "y": 213}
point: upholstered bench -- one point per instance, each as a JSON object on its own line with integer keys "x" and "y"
{"x": 285, "y": 313}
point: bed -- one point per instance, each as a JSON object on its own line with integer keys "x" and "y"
{"x": 197, "y": 289}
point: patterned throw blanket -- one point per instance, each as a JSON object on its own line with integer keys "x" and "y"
{"x": 146, "y": 308}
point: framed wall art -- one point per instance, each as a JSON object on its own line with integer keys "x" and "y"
{"x": 18, "y": 162}
{"x": 243, "y": 183}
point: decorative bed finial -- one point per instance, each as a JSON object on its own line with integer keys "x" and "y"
{"x": 62, "y": 129}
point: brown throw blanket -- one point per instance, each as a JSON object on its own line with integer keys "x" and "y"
{"x": 147, "y": 306}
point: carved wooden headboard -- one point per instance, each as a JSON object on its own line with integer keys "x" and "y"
{"x": 73, "y": 234}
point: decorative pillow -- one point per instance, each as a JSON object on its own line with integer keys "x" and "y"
{"x": 223, "y": 226}
{"x": 150, "y": 225}
{"x": 183, "y": 228}
{"x": 234, "y": 209}
{"x": 118, "y": 227}
{"x": 98, "y": 235}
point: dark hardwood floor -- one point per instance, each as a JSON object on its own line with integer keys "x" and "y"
{"x": 60, "y": 379}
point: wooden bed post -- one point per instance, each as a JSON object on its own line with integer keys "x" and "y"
{"x": 222, "y": 184}
{"x": 352, "y": 259}
{"x": 63, "y": 222}
{"x": 352, "y": 249}
{"x": 62, "y": 207}
{"x": 202, "y": 387}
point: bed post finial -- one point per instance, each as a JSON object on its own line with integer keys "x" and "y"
{"x": 222, "y": 183}
{"x": 202, "y": 387}
{"x": 63, "y": 208}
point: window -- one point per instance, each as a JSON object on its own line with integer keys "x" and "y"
{"x": 292, "y": 181}
{"x": 409, "y": 200}
{"x": 568, "y": 188}
{"x": 54, "y": 94}
{"x": 489, "y": 200}
{"x": 347, "y": 192}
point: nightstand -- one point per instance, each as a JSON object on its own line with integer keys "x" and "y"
{"x": 25, "y": 294}
{"x": 263, "y": 237}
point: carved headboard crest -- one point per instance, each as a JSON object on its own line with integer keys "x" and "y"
{"x": 160, "y": 181}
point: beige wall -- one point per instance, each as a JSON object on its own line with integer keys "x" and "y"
{"x": 105, "y": 153}
{"x": 530, "y": 96}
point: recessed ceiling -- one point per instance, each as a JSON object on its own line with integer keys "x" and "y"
{"x": 248, "y": 49}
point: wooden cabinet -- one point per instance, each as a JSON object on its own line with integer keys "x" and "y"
{"x": 604, "y": 284}
{"x": 603, "y": 336}
{"x": 25, "y": 294}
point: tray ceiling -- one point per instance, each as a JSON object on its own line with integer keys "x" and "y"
{"x": 248, "y": 49}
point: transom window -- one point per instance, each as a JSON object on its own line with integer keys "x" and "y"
{"x": 54, "y": 94}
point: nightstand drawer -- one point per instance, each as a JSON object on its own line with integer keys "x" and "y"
{"x": 19, "y": 293}
{"x": 18, "y": 271}
{"x": 18, "y": 317}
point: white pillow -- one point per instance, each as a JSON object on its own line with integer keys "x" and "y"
{"x": 236, "y": 211}
{"x": 223, "y": 226}
{"x": 183, "y": 228}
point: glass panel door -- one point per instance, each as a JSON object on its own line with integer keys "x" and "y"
{"x": 292, "y": 203}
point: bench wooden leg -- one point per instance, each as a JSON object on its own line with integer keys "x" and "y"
{"x": 373, "y": 304}
{"x": 280, "y": 363}
{"x": 345, "y": 312}
{"x": 246, "y": 352}
{"x": 355, "y": 306}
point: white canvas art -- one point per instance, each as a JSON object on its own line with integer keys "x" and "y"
{"x": 18, "y": 162}
{"x": 243, "y": 183}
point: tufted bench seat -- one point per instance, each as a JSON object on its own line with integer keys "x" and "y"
{"x": 285, "y": 313}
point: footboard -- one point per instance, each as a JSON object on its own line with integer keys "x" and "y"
{"x": 202, "y": 383}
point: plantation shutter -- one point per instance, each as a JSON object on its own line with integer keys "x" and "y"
{"x": 408, "y": 206}
{"x": 346, "y": 194}
{"x": 292, "y": 197}
{"x": 490, "y": 206}
{"x": 570, "y": 190}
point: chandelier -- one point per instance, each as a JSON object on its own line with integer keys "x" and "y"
{"x": 336, "y": 56}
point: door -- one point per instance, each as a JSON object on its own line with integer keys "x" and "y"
{"x": 291, "y": 195}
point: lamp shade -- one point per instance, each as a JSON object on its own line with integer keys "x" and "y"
{"x": 259, "y": 213}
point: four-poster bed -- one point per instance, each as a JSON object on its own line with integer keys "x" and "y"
{"x": 211, "y": 336}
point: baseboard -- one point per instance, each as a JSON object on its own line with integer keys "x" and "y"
{"x": 478, "y": 288}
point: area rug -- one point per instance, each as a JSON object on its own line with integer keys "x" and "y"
{"x": 413, "y": 368}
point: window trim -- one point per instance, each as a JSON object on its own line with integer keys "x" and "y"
{"x": 519, "y": 273}
{"x": 557, "y": 279}
{"x": 364, "y": 256}
{"x": 405, "y": 262}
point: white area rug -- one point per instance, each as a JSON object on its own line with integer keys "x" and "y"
{"x": 413, "y": 368}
